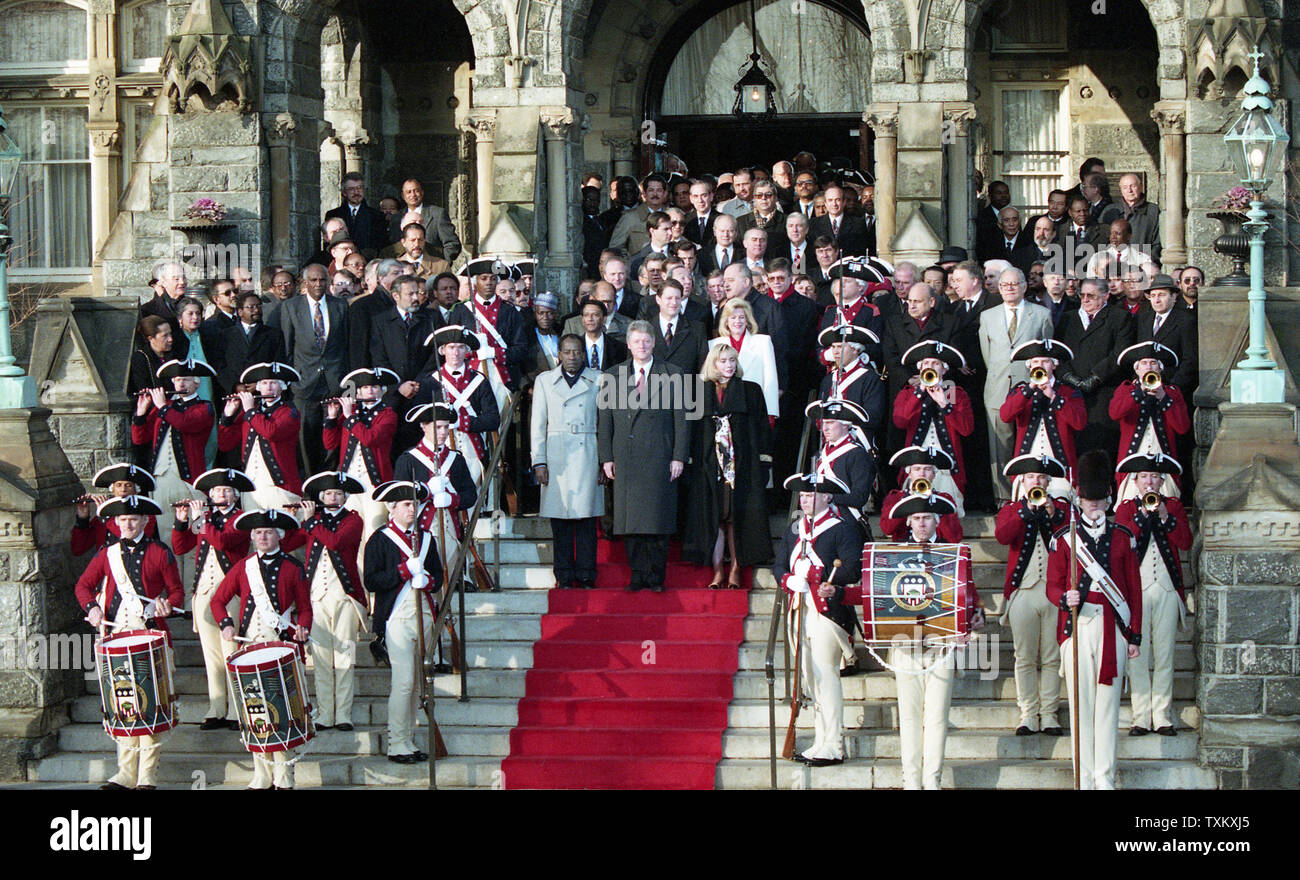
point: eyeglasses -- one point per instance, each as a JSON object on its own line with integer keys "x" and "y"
{"x": 1009, "y": 285}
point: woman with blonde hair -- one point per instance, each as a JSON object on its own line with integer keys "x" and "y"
{"x": 731, "y": 458}
{"x": 757, "y": 359}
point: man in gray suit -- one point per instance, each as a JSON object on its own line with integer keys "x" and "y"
{"x": 1002, "y": 328}
{"x": 315, "y": 329}
{"x": 438, "y": 228}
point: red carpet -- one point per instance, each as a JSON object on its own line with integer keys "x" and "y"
{"x": 604, "y": 709}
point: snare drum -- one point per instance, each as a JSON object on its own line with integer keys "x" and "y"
{"x": 915, "y": 590}
{"x": 135, "y": 683}
{"x": 269, "y": 684}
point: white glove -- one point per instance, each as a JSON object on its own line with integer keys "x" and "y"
{"x": 1191, "y": 602}
{"x": 801, "y": 568}
{"x": 420, "y": 581}
{"x": 797, "y": 584}
{"x": 485, "y": 352}
{"x": 441, "y": 499}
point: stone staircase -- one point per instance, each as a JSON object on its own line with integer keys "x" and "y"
{"x": 982, "y": 750}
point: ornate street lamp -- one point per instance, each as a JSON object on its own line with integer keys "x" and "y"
{"x": 1256, "y": 142}
{"x": 16, "y": 388}
{"x": 755, "y": 92}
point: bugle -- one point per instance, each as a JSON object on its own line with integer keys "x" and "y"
{"x": 1036, "y": 496}
{"x": 921, "y": 486}
{"x": 1037, "y": 376}
{"x": 1151, "y": 380}
{"x": 1150, "y": 502}
{"x": 930, "y": 377}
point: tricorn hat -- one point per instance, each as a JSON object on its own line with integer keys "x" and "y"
{"x": 1150, "y": 349}
{"x": 931, "y": 348}
{"x": 1042, "y": 348}
{"x": 451, "y": 333}
{"x": 1156, "y": 463}
{"x": 105, "y": 477}
{"x": 140, "y": 505}
{"x": 237, "y": 480}
{"x": 486, "y": 266}
{"x": 837, "y": 409}
{"x": 381, "y": 376}
{"x": 932, "y": 455}
{"x": 318, "y": 483}
{"x": 265, "y": 519}
{"x": 932, "y": 503}
{"x": 430, "y": 412}
{"x": 1034, "y": 464}
{"x": 273, "y": 370}
{"x": 191, "y": 367}
{"x": 827, "y": 484}
{"x": 401, "y": 490}
{"x": 849, "y": 333}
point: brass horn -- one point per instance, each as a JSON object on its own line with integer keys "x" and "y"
{"x": 929, "y": 377}
{"x": 1151, "y": 380}
{"x": 1150, "y": 502}
{"x": 1036, "y": 496}
{"x": 921, "y": 486}
{"x": 1037, "y": 376}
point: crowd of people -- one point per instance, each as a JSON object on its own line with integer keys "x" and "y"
{"x": 735, "y": 339}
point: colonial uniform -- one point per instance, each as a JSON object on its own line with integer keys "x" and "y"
{"x": 1146, "y": 425}
{"x": 272, "y": 595}
{"x": 470, "y": 394}
{"x": 338, "y": 599}
{"x": 1027, "y": 531}
{"x": 846, "y": 460}
{"x": 363, "y": 441}
{"x": 220, "y": 545}
{"x": 499, "y": 332}
{"x": 894, "y": 528}
{"x": 92, "y": 533}
{"x": 927, "y": 424}
{"x": 1045, "y": 427}
{"x": 858, "y": 382}
{"x": 120, "y": 581}
{"x": 440, "y": 470}
{"x": 1164, "y": 597}
{"x": 267, "y": 436}
{"x": 1103, "y": 633}
{"x": 805, "y": 560}
{"x": 402, "y": 570}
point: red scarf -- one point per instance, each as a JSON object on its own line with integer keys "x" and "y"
{"x": 736, "y": 343}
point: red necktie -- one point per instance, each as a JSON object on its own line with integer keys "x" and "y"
{"x": 640, "y": 381}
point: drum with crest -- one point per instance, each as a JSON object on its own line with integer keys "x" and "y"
{"x": 916, "y": 591}
{"x": 135, "y": 683}
{"x": 269, "y": 683}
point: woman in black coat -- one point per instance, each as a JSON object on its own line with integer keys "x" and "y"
{"x": 731, "y": 457}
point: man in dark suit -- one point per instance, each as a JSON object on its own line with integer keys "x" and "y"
{"x": 248, "y": 342}
{"x": 699, "y": 224}
{"x": 1009, "y": 240}
{"x": 432, "y": 217}
{"x": 678, "y": 340}
{"x": 397, "y": 343}
{"x": 1057, "y": 211}
{"x": 1039, "y": 246}
{"x": 362, "y": 310}
{"x": 921, "y": 321}
{"x": 212, "y": 331}
{"x": 169, "y": 290}
{"x": 594, "y": 234}
{"x": 766, "y": 216}
{"x": 601, "y": 350}
{"x": 988, "y": 222}
{"x": 800, "y": 318}
{"x": 1173, "y": 328}
{"x": 659, "y": 226}
{"x": 1078, "y": 238}
{"x": 850, "y": 234}
{"x": 627, "y": 302}
{"x": 1096, "y": 333}
{"x": 367, "y": 226}
{"x": 740, "y": 283}
{"x": 725, "y": 250}
{"x": 315, "y": 329}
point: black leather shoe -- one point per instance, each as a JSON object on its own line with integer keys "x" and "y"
{"x": 113, "y": 786}
{"x": 1166, "y": 731}
{"x": 824, "y": 762}
{"x": 146, "y": 787}
{"x": 587, "y": 585}
{"x": 850, "y": 670}
{"x": 420, "y": 756}
{"x": 324, "y": 727}
{"x": 346, "y": 726}
{"x": 1138, "y": 731}
{"x": 214, "y": 724}
{"x": 281, "y": 788}
{"x": 1053, "y": 731}
{"x": 1022, "y": 730}
{"x": 233, "y": 724}
{"x": 799, "y": 758}
{"x": 402, "y": 759}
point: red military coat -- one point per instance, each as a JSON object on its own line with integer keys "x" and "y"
{"x": 1122, "y": 563}
{"x": 896, "y": 529}
{"x": 157, "y": 576}
{"x": 338, "y": 535}
{"x": 277, "y": 428}
{"x": 1170, "y": 413}
{"x": 957, "y": 422}
{"x": 367, "y": 432}
{"x": 1068, "y": 414}
{"x": 191, "y": 420}
{"x": 289, "y": 591}
{"x": 1170, "y": 537}
{"x": 229, "y": 543}
{"x": 94, "y": 533}
{"x": 1013, "y": 526}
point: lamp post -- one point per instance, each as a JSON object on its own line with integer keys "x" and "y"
{"x": 1256, "y": 142}
{"x": 16, "y": 388}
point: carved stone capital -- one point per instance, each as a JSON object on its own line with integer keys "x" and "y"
{"x": 557, "y": 121}
{"x": 883, "y": 121}
{"x": 1171, "y": 118}
{"x": 105, "y": 141}
{"x": 961, "y": 119}
{"x": 914, "y": 64}
{"x": 482, "y": 125}
{"x": 621, "y": 148}
{"x": 280, "y": 132}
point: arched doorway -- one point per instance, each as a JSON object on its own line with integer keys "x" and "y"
{"x": 819, "y": 57}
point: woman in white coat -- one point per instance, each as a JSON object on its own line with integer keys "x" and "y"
{"x": 737, "y": 328}
{"x": 565, "y": 462}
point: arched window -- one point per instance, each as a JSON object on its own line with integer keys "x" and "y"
{"x": 144, "y": 35}
{"x": 42, "y": 36}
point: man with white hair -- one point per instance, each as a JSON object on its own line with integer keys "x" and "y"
{"x": 1001, "y": 331}
{"x": 1143, "y": 217}
{"x": 797, "y": 250}
{"x": 171, "y": 289}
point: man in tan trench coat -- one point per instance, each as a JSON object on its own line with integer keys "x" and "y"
{"x": 564, "y": 462}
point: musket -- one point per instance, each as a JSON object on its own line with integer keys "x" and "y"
{"x": 436, "y": 743}
{"x": 796, "y": 700}
{"x": 451, "y": 630}
{"x": 1074, "y": 639}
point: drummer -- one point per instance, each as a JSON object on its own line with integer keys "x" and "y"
{"x": 211, "y": 528}
{"x": 403, "y": 571}
{"x": 89, "y": 532}
{"x": 820, "y": 593}
{"x": 332, "y": 533}
{"x": 924, "y": 678}
{"x": 265, "y": 429}
{"x": 115, "y": 591}
{"x": 265, "y": 614}
{"x": 916, "y": 464}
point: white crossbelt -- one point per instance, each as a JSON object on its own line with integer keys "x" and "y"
{"x": 418, "y": 573}
{"x": 261, "y": 601}
{"x": 1105, "y": 583}
{"x": 131, "y": 605}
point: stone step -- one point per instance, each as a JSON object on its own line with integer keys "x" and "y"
{"x": 965, "y": 774}
{"x": 753, "y": 654}
{"x": 970, "y": 745}
{"x": 753, "y": 686}
{"x": 759, "y": 621}
{"x": 963, "y": 714}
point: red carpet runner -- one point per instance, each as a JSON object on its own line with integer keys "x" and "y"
{"x": 629, "y": 690}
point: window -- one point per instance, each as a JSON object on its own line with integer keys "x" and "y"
{"x": 49, "y": 215}
{"x": 1032, "y": 144}
{"x": 144, "y": 35}
{"x": 1031, "y": 27}
{"x": 42, "y": 36}
{"x": 137, "y": 116}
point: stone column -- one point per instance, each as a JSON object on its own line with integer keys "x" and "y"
{"x": 484, "y": 126}
{"x": 883, "y": 119}
{"x": 556, "y": 123}
{"x": 622, "y": 151}
{"x": 280, "y": 134}
{"x": 957, "y": 122}
{"x": 1248, "y": 690}
{"x": 1171, "y": 116}
{"x": 354, "y": 150}
{"x": 102, "y": 122}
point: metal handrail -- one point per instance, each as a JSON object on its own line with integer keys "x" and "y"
{"x": 769, "y": 672}
{"x": 803, "y": 452}
{"x": 456, "y": 584}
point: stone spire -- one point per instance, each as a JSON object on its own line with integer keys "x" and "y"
{"x": 208, "y": 60}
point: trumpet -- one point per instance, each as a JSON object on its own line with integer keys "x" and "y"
{"x": 1036, "y": 496}
{"x": 1150, "y": 502}
{"x": 929, "y": 377}
{"x": 921, "y": 486}
{"x": 1037, "y": 376}
{"x": 1151, "y": 381}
